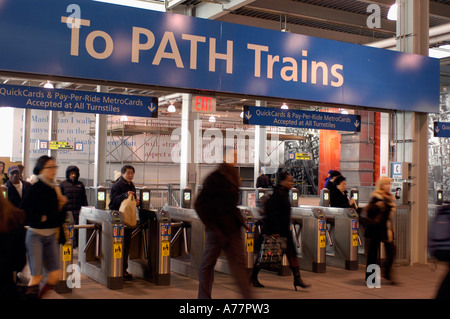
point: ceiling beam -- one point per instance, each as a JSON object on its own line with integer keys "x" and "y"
{"x": 440, "y": 10}
{"x": 310, "y": 31}
{"x": 436, "y": 9}
{"x": 213, "y": 11}
{"x": 317, "y": 13}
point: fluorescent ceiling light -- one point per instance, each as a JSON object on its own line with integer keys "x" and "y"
{"x": 212, "y": 119}
{"x": 49, "y": 85}
{"x": 284, "y": 107}
{"x": 441, "y": 52}
{"x": 137, "y": 4}
{"x": 171, "y": 108}
{"x": 392, "y": 13}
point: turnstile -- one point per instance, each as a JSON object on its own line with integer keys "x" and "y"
{"x": 343, "y": 227}
{"x": 66, "y": 255}
{"x": 187, "y": 250}
{"x": 149, "y": 256}
{"x": 100, "y": 239}
{"x": 187, "y": 242}
{"x": 309, "y": 225}
{"x": 248, "y": 235}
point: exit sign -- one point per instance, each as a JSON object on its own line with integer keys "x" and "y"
{"x": 204, "y": 104}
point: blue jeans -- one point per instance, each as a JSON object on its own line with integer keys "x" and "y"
{"x": 42, "y": 253}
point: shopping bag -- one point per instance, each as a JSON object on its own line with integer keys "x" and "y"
{"x": 128, "y": 210}
{"x": 271, "y": 252}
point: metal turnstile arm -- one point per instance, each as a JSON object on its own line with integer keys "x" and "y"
{"x": 329, "y": 237}
{"x": 182, "y": 226}
{"x": 294, "y": 230}
{"x": 91, "y": 238}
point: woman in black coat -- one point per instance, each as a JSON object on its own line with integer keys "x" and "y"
{"x": 380, "y": 210}
{"x": 277, "y": 222}
{"x": 339, "y": 197}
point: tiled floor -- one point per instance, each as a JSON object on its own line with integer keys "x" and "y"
{"x": 414, "y": 282}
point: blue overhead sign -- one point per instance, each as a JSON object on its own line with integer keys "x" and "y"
{"x": 441, "y": 129}
{"x": 254, "y": 115}
{"x": 77, "y": 101}
{"x": 94, "y": 40}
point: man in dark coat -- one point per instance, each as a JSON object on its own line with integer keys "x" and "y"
{"x": 75, "y": 192}
{"x": 17, "y": 188}
{"x": 120, "y": 191}
{"x": 216, "y": 205}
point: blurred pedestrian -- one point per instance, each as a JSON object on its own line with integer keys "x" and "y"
{"x": 17, "y": 188}
{"x": 75, "y": 192}
{"x": 120, "y": 191}
{"x": 277, "y": 221}
{"x": 380, "y": 211}
{"x": 22, "y": 169}
{"x": 43, "y": 205}
{"x": 12, "y": 247}
{"x": 216, "y": 205}
{"x": 3, "y": 176}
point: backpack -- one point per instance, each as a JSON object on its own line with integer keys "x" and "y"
{"x": 439, "y": 234}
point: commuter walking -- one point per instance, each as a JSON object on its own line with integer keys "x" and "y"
{"x": 17, "y": 188}
{"x": 3, "y": 176}
{"x": 216, "y": 205}
{"x": 12, "y": 247}
{"x": 380, "y": 211}
{"x": 339, "y": 198}
{"x": 120, "y": 191}
{"x": 75, "y": 192}
{"x": 43, "y": 205}
{"x": 277, "y": 222}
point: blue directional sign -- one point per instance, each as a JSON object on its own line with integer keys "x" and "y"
{"x": 86, "y": 39}
{"x": 77, "y": 101}
{"x": 254, "y": 115}
{"x": 441, "y": 129}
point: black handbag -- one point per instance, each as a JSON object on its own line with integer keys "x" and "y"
{"x": 271, "y": 252}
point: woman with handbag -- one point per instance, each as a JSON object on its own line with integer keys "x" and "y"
{"x": 277, "y": 222}
{"x": 120, "y": 191}
{"x": 380, "y": 211}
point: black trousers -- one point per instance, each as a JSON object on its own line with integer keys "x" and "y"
{"x": 373, "y": 250}
{"x": 126, "y": 246}
{"x": 233, "y": 247}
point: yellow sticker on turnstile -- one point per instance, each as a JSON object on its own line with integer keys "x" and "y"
{"x": 250, "y": 244}
{"x": 118, "y": 250}
{"x": 355, "y": 240}
{"x": 165, "y": 248}
{"x": 67, "y": 252}
{"x": 323, "y": 241}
